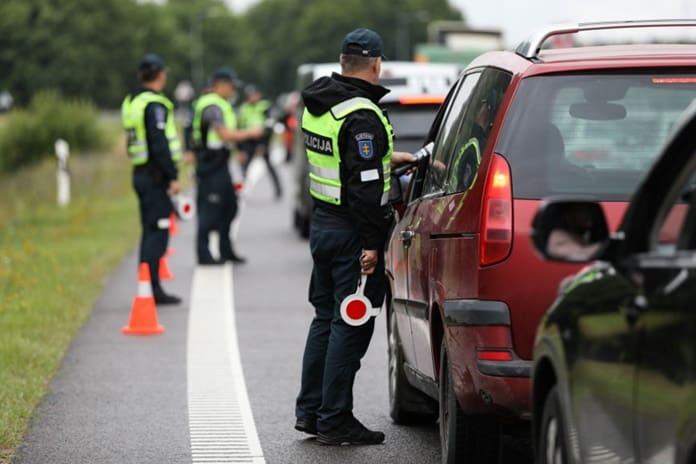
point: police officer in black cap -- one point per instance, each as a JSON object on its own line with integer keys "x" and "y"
{"x": 349, "y": 144}
{"x": 214, "y": 132}
{"x": 154, "y": 149}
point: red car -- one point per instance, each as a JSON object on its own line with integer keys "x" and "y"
{"x": 467, "y": 290}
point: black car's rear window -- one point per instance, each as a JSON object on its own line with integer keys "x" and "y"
{"x": 590, "y": 134}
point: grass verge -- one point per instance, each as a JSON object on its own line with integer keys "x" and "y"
{"x": 53, "y": 265}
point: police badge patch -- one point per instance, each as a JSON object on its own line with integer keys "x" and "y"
{"x": 160, "y": 117}
{"x": 365, "y": 149}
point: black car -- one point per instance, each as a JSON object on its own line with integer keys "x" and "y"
{"x": 614, "y": 374}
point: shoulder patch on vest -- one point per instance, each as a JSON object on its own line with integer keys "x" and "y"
{"x": 317, "y": 143}
{"x": 160, "y": 116}
{"x": 364, "y": 136}
{"x": 365, "y": 149}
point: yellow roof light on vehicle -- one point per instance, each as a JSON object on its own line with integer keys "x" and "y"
{"x": 422, "y": 100}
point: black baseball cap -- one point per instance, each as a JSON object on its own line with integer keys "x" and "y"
{"x": 151, "y": 62}
{"x": 363, "y": 42}
{"x": 227, "y": 74}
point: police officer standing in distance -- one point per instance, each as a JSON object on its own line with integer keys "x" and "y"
{"x": 154, "y": 150}
{"x": 349, "y": 144}
{"x": 214, "y": 132}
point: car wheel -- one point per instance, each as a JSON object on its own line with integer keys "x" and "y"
{"x": 552, "y": 439}
{"x": 464, "y": 438}
{"x": 407, "y": 405}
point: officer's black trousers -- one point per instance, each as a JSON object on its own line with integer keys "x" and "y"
{"x": 155, "y": 208}
{"x": 334, "y": 349}
{"x": 216, "y": 202}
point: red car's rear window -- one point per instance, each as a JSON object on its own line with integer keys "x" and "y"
{"x": 590, "y": 134}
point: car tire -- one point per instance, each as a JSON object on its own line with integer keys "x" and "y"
{"x": 465, "y": 439}
{"x": 407, "y": 405}
{"x": 552, "y": 448}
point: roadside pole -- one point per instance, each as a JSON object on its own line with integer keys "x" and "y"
{"x": 62, "y": 175}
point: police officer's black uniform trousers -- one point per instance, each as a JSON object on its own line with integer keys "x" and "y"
{"x": 155, "y": 209}
{"x": 334, "y": 349}
{"x": 216, "y": 201}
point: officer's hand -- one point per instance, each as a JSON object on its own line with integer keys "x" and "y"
{"x": 402, "y": 157}
{"x": 368, "y": 261}
{"x": 174, "y": 188}
{"x": 255, "y": 132}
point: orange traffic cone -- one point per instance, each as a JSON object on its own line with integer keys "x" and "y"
{"x": 164, "y": 272}
{"x": 169, "y": 252}
{"x": 143, "y": 318}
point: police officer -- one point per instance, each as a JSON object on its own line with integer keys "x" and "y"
{"x": 154, "y": 150}
{"x": 214, "y": 131}
{"x": 349, "y": 144}
{"x": 255, "y": 112}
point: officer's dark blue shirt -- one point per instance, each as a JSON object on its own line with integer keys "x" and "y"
{"x": 160, "y": 158}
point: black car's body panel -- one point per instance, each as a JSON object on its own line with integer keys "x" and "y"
{"x": 619, "y": 343}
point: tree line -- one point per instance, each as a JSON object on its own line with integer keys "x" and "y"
{"x": 90, "y": 49}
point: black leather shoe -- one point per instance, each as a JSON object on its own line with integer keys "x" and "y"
{"x": 306, "y": 425}
{"x": 351, "y": 432}
{"x": 210, "y": 262}
{"x": 164, "y": 299}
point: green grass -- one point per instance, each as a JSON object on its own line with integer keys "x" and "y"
{"x": 53, "y": 265}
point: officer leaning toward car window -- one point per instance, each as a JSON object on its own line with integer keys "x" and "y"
{"x": 154, "y": 150}
{"x": 214, "y": 132}
{"x": 349, "y": 144}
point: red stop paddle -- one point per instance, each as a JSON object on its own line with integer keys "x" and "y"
{"x": 356, "y": 308}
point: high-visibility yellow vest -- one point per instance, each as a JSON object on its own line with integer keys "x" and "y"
{"x": 321, "y": 142}
{"x": 253, "y": 114}
{"x": 212, "y": 140}
{"x": 133, "y": 118}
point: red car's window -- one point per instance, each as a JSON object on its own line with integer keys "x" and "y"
{"x": 594, "y": 134}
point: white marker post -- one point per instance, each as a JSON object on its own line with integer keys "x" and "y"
{"x": 62, "y": 175}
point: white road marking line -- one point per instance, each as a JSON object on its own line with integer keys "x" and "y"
{"x": 221, "y": 424}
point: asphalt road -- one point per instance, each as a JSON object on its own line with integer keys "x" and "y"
{"x": 119, "y": 399}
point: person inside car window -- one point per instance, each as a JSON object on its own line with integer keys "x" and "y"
{"x": 574, "y": 236}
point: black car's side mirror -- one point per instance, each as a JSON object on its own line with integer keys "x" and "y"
{"x": 570, "y": 231}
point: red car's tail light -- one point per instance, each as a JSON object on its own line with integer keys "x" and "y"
{"x": 496, "y": 223}
{"x": 495, "y": 355}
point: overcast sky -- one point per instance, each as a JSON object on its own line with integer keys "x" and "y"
{"x": 518, "y": 18}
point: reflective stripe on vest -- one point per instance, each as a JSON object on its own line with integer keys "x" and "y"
{"x": 133, "y": 118}
{"x": 321, "y": 143}
{"x": 212, "y": 139}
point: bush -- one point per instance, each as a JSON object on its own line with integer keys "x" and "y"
{"x": 29, "y": 134}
